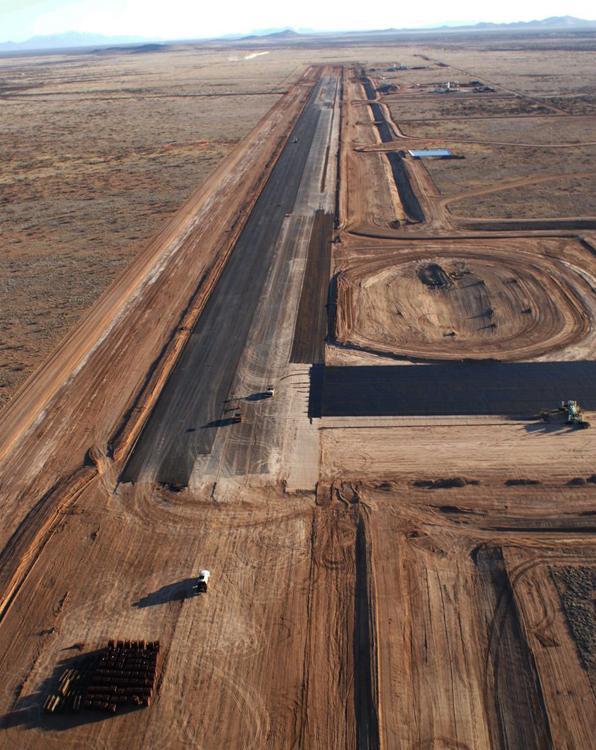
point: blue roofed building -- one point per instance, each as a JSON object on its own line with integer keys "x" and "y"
{"x": 430, "y": 153}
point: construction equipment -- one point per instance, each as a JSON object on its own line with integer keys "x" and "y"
{"x": 572, "y": 412}
{"x": 202, "y": 581}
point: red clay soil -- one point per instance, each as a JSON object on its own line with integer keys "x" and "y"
{"x": 70, "y": 406}
{"x": 407, "y": 598}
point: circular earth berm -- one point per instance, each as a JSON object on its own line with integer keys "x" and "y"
{"x": 454, "y": 306}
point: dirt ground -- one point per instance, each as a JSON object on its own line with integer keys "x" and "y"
{"x": 459, "y": 447}
{"x": 98, "y": 150}
{"x": 499, "y": 302}
{"x": 519, "y": 130}
{"x": 377, "y": 582}
{"x": 459, "y": 576}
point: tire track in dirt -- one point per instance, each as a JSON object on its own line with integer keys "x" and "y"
{"x": 24, "y": 547}
{"x": 341, "y": 667}
{"x": 511, "y": 184}
{"x": 375, "y": 297}
{"x": 70, "y": 402}
{"x": 518, "y": 715}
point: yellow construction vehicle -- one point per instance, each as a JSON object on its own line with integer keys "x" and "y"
{"x": 572, "y": 412}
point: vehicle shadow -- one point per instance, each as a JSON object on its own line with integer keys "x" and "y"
{"x": 260, "y": 396}
{"x": 172, "y": 592}
{"x": 548, "y": 427}
{"x": 225, "y": 422}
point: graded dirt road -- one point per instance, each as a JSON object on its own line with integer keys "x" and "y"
{"x": 402, "y": 550}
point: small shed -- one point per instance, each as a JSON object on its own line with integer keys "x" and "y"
{"x": 431, "y": 153}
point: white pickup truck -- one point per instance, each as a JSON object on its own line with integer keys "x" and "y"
{"x": 202, "y": 580}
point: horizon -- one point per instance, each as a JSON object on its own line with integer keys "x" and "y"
{"x": 184, "y": 20}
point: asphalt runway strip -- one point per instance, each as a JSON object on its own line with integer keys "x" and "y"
{"x": 311, "y": 323}
{"x": 191, "y": 407}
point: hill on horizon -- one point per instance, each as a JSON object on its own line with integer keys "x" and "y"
{"x": 76, "y": 39}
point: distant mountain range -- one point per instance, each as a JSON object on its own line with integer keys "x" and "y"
{"x": 559, "y": 23}
{"x": 70, "y": 39}
{"x": 554, "y": 22}
{"x": 75, "y": 39}
{"x": 275, "y": 34}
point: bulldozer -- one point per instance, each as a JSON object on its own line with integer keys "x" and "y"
{"x": 572, "y": 412}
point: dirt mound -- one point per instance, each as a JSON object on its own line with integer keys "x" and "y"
{"x": 434, "y": 276}
{"x": 460, "y": 305}
{"x": 442, "y": 484}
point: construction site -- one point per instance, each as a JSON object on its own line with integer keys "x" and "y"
{"x": 317, "y": 469}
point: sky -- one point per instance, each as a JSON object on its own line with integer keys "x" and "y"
{"x": 188, "y": 19}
